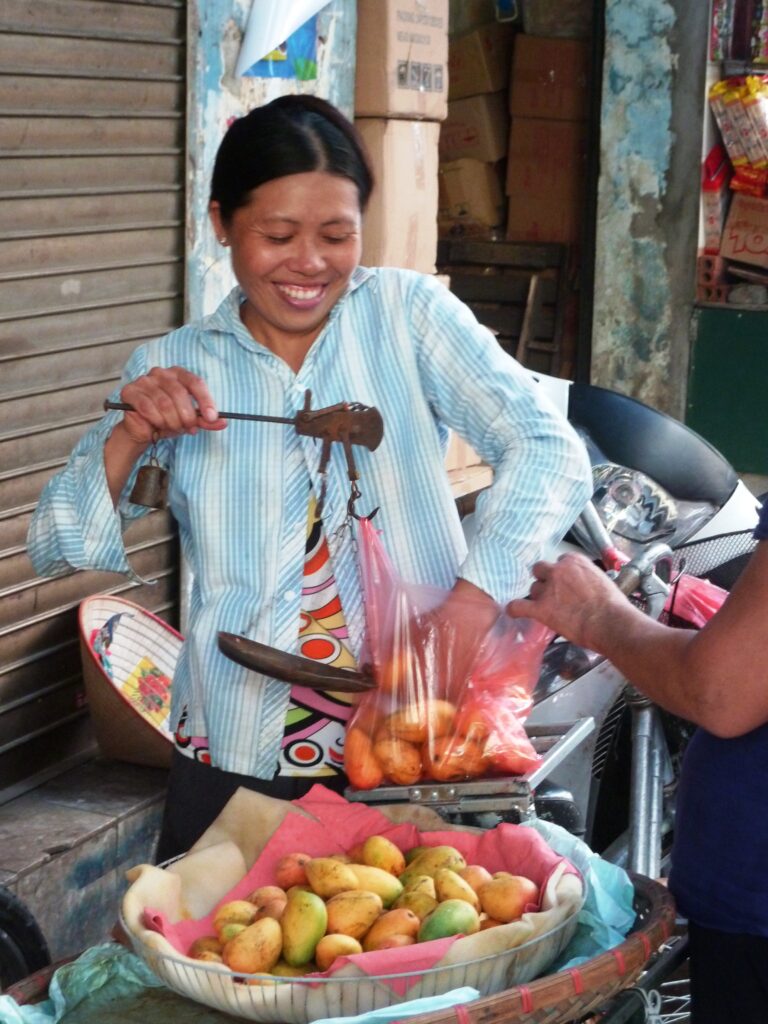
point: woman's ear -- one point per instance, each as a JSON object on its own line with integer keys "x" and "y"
{"x": 214, "y": 212}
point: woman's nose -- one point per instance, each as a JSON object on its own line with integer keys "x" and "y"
{"x": 307, "y": 257}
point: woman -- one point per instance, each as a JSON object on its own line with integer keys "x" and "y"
{"x": 290, "y": 184}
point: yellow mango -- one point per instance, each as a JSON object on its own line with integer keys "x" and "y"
{"x": 375, "y": 880}
{"x": 205, "y": 944}
{"x": 329, "y": 877}
{"x": 380, "y": 852}
{"x": 256, "y": 949}
{"x": 451, "y": 886}
{"x": 393, "y": 922}
{"x": 506, "y": 896}
{"x": 421, "y": 903}
{"x": 233, "y": 912}
{"x": 421, "y": 883}
{"x": 334, "y": 945}
{"x": 352, "y": 913}
{"x": 431, "y": 860}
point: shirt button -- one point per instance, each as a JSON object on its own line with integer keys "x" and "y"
{"x": 289, "y": 595}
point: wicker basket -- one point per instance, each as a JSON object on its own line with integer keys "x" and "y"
{"x": 569, "y": 995}
{"x": 129, "y": 657}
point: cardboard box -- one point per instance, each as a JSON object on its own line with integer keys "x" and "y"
{"x": 476, "y": 127}
{"x": 401, "y": 65}
{"x": 479, "y": 61}
{"x": 745, "y": 238}
{"x": 460, "y": 454}
{"x": 470, "y": 197}
{"x": 545, "y": 180}
{"x": 550, "y": 78}
{"x": 400, "y": 225}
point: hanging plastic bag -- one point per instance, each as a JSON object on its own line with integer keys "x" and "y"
{"x": 451, "y": 698}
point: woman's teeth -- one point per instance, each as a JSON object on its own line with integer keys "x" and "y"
{"x": 299, "y": 293}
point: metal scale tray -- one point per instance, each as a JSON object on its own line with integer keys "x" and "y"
{"x": 554, "y": 742}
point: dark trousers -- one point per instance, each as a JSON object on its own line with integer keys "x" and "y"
{"x": 729, "y": 977}
{"x": 197, "y": 794}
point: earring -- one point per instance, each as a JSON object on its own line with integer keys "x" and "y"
{"x": 223, "y": 241}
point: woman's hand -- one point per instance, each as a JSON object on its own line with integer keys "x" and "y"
{"x": 167, "y": 402}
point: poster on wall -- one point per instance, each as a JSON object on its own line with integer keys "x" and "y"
{"x": 281, "y": 42}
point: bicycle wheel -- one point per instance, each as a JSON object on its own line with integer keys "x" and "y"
{"x": 23, "y": 949}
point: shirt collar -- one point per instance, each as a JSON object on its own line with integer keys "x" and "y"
{"x": 226, "y": 318}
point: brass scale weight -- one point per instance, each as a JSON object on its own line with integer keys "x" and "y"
{"x": 348, "y": 423}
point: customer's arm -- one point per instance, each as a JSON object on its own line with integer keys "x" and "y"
{"x": 716, "y": 677}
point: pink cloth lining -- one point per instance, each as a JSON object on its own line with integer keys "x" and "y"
{"x": 339, "y": 826}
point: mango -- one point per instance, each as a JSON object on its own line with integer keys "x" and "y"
{"x": 453, "y": 758}
{"x": 451, "y": 886}
{"x": 506, "y": 896}
{"x": 233, "y": 912}
{"x": 290, "y": 870}
{"x": 476, "y": 875}
{"x": 352, "y": 913}
{"x": 210, "y": 957}
{"x": 304, "y": 923}
{"x": 269, "y": 900}
{"x": 393, "y": 942}
{"x": 284, "y": 970}
{"x": 452, "y": 917}
{"x": 256, "y": 949}
{"x": 334, "y": 945}
{"x": 362, "y": 768}
{"x": 393, "y": 922}
{"x": 431, "y": 860}
{"x": 413, "y": 853}
{"x": 419, "y": 721}
{"x": 399, "y": 761}
{"x": 421, "y": 883}
{"x": 229, "y": 930}
{"x": 205, "y": 944}
{"x": 375, "y": 880}
{"x": 421, "y": 903}
{"x": 329, "y": 877}
{"x": 380, "y": 852}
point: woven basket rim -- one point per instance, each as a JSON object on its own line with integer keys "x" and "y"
{"x": 576, "y": 991}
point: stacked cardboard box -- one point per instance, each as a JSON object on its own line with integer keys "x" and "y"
{"x": 474, "y": 136}
{"x": 548, "y": 103}
{"x": 401, "y": 95}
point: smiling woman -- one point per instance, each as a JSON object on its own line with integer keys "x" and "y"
{"x": 289, "y": 189}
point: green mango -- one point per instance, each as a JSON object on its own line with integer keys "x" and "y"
{"x": 304, "y": 922}
{"x": 451, "y": 917}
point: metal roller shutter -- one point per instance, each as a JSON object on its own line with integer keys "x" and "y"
{"x": 92, "y": 171}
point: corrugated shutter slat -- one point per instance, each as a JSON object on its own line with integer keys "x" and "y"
{"x": 92, "y": 172}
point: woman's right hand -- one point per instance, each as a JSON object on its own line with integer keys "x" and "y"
{"x": 168, "y": 401}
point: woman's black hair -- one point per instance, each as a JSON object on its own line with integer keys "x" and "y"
{"x": 290, "y": 135}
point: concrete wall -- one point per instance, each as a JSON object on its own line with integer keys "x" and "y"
{"x": 648, "y": 198}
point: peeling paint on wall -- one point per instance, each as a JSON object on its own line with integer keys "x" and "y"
{"x": 632, "y": 311}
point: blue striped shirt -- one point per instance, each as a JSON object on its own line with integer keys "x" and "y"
{"x": 397, "y": 340}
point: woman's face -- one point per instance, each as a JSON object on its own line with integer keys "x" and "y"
{"x": 294, "y": 247}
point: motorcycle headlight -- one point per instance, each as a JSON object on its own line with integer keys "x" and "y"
{"x": 632, "y": 505}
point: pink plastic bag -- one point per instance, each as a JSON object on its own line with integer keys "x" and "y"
{"x": 451, "y": 698}
{"x": 695, "y": 600}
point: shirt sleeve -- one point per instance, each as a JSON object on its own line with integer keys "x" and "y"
{"x": 542, "y": 476}
{"x": 75, "y": 525}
